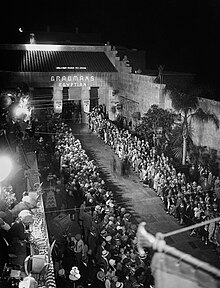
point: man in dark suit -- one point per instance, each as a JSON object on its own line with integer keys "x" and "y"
{"x": 3, "y": 245}
{"x": 18, "y": 237}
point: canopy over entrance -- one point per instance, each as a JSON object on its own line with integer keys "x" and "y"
{"x": 54, "y": 61}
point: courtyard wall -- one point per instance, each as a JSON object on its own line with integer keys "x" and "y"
{"x": 137, "y": 92}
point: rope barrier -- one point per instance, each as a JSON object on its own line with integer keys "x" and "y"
{"x": 145, "y": 239}
{"x": 185, "y": 229}
{"x": 93, "y": 206}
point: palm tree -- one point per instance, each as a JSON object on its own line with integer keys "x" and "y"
{"x": 186, "y": 102}
{"x": 156, "y": 125}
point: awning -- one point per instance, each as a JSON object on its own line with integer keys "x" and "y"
{"x": 51, "y": 61}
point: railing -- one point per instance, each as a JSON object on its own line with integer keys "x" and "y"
{"x": 181, "y": 267}
{"x": 39, "y": 232}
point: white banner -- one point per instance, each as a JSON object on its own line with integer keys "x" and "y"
{"x": 86, "y": 105}
{"x": 58, "y": 104}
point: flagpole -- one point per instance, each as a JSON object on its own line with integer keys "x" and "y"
{"x": 145, "y": 239}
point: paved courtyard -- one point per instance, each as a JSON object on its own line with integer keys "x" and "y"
{"x": 142, "y": 202}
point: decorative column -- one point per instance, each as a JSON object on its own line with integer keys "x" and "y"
{"x": 161, "y": 92}
{"x": 85, "y": 104}
{"x": 112, "y": 102}
{"x": 58, "y": 99}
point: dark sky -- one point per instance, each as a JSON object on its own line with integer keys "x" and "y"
{"x": 181, "y": 34}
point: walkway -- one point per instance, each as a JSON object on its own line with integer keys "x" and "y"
{"x": 142, "y": 202}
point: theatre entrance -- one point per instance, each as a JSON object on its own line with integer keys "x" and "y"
{"x": 42, "y": 102}
{"x": 78, "y": 102}
{"x": 72, "y": 104}
{"x": 94, "y": 97}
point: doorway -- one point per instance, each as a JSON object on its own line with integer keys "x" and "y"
{"x": 94, "y": 97}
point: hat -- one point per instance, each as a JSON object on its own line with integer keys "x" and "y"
{"x": 74, "y": 269}
{"x": 100, "y": 275}
{"x": 143, "y": 256}
{"x": 127, "y": 215}
{"x": 97, "y": 207}
{"x": 61, "y": 272}
{"x": 78, "y": 236}
{"x": 1, "y": 222}
{"x": 4, "y": 225}
{"x": 111, "y": 218}
{"x": 126, "y": 260}
{"x": 26, "y": 217}
{"x": 28, "y": 282}
{"x": 103, "y": 233}
{"x": 108, "y": 238}
{"x": 112, "y": 262}
{"x": 105, "y": 253}
{"x": 74, "y": 274}
{"x": 119, "y": 284}
{"x": 118, "y": 227}
{"x": 30, "y": 200}
{"x": 74, "y": 277}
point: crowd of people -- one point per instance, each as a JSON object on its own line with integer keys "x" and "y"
{"x": 184, "y": 198}
{"x": 105, "y": 248}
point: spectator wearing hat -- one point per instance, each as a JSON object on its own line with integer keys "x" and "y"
{"x": 143, "y": 277}
{"x": 119, "y": 284}
{"x": 112, "y": 268}
{"x": 4, "y": 245}
{"x": 101, "y": 246}
{"x": 18, "y": 231}
{"x": 27, "y": 203}
{"x": 18, "y": 236}
{"x": 79, "y": 248}
{"x": 59, "y": 194}
{"x": 70, "y": 202}
{"x": 94, "y": 231}
{"x": 61, "y": 279}
{"x": 91, "y": 183}
{"x": 99, "y": 281}
{"x": 109, "y": 245}
{"x": 103, "y": 261}
{"x": 189, "y": 213}
{"x": 69, "y": 257}
{"x": 85, "y": 216}
{"x": 182, "y": 212}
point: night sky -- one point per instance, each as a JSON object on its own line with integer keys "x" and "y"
{"x": 183, "y": 35}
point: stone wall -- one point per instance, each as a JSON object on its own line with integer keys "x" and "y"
{"x": 135, "y": 92}
{"x": 206, "y": 134}
{"x": 138, "y": 92}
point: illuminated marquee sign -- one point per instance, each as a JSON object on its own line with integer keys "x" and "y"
{"x": 71, "y": 68}
{"x": 72, "y": 81}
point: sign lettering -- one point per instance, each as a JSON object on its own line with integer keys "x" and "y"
{"x": 72, "y": 80}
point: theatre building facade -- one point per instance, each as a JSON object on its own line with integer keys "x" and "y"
{"x": 56, "y": 74}
{"x": 91, "y": 75}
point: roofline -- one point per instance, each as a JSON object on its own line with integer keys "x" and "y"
{"x": 54, "y": 47}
